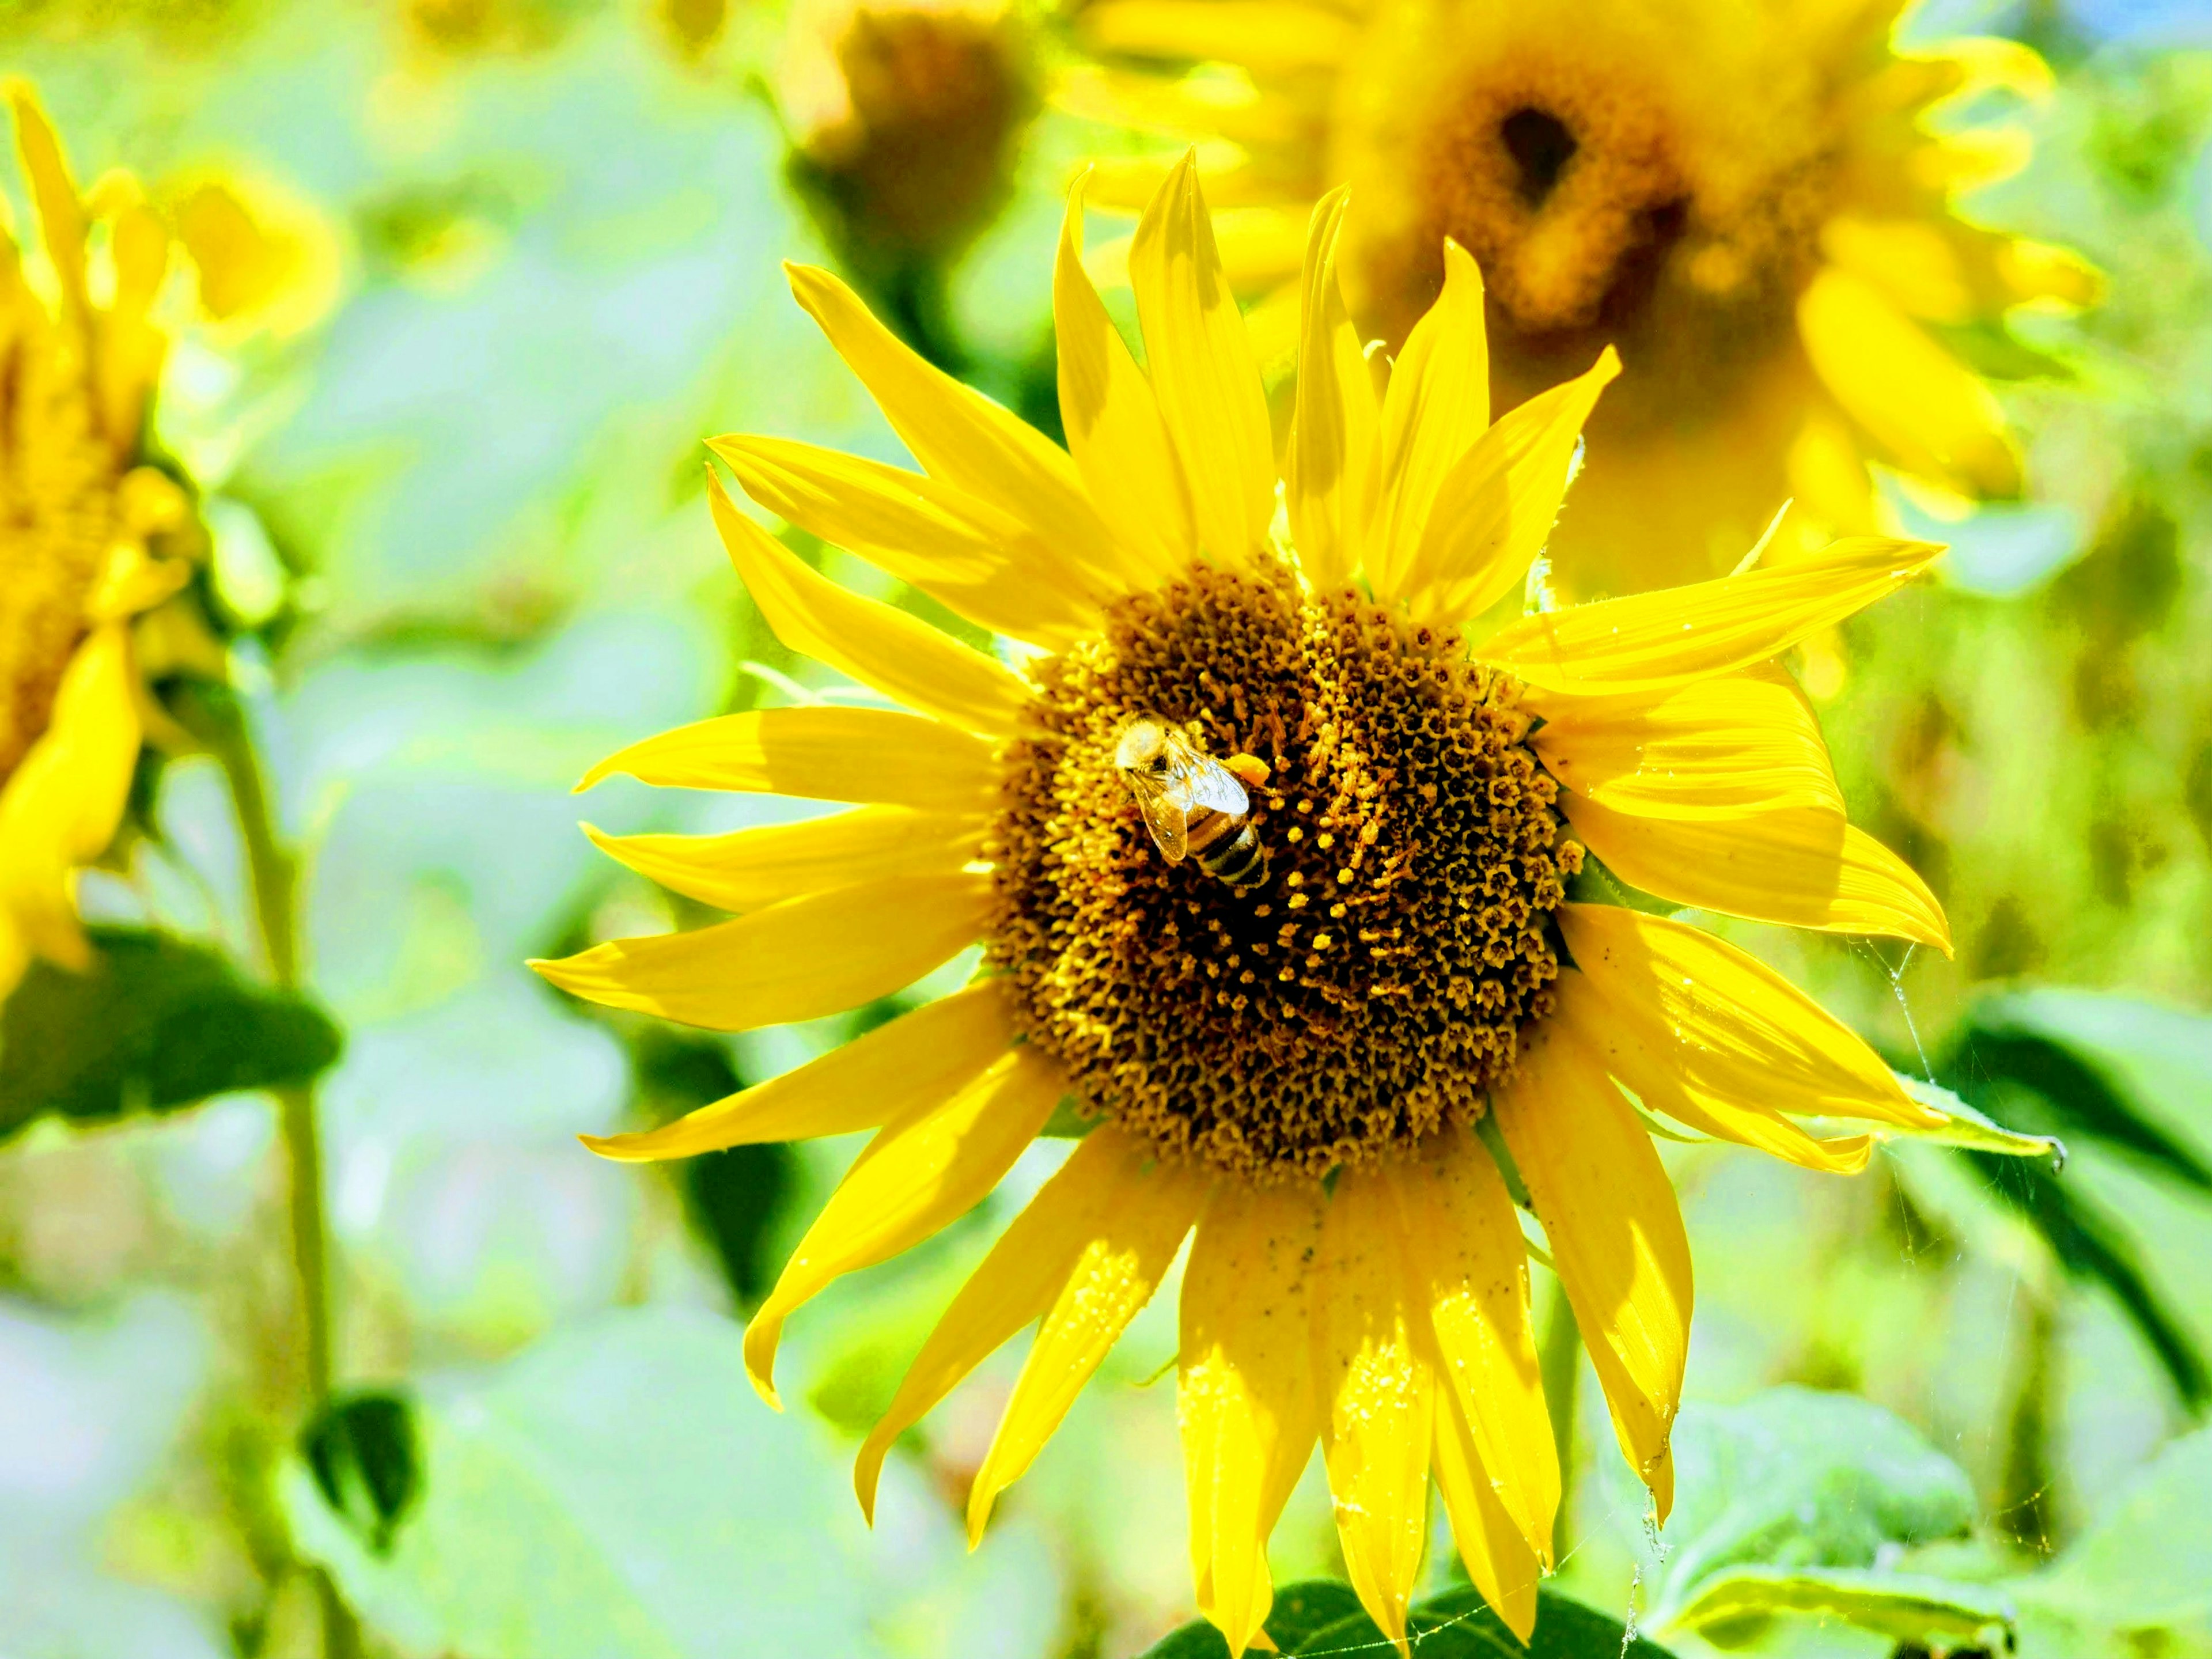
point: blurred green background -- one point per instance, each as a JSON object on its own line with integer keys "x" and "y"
{"x": 458, "y": 533}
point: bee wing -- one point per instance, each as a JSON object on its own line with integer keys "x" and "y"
{"x": 1161, "y": 805}
{"x": 1211, "y": 784}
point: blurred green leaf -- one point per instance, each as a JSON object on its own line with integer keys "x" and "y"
{"x": 614, "y": 1490}
{"x": 366, "y": 1461}
{"x": 1323, "y": 1617}
{"x": 1790, "y": 1486}
{"x": 2139, "y": 1581}
{"x": 157, "y": 1023}
{"x": 1927, "y": 1613}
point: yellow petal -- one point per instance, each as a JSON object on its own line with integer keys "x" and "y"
{"x": 61, "y": 210}
{"x": 1438, "y": 403}
{"x": 1721, "y": 748}
{"x": 914, "y": 1062}
{"x": 798, "y": 960}
{"x": 1495, "y": 507}
{"x": 1113, "y": 422}
{"x": 901, "y": 656}
{"x": 1263, "y": 246}
{"x": 1202, "y": 369}
{"x": 1497, "y": 1556}
{"x": 60, "y": 807}
{"x": 1648, "y": 642}
{"x": 1381, "y": 1392}
{"x": 1470, "y": 1267}
{"x": 1140, "y": 1225}
{"x": 1726, "y": 1009}
{"x": 1332, "y": 450}
{"x": 924, "y": 1170}
{"x": 751, "y": 869}
{"x": 958, "y": 433}
{"x": 1246, "y": 1396}
{"x": 1016, "y": 1282}
{"x": 1267, "y": 36}
{"x": 1615, "y": 1232}
{"x": 1802, "y": 867}
{"x": 983, "y": 563}
{"x": 870, "y": 754}
{"x": 1915, "y": 399}
{"x": 1669, "y": 1079}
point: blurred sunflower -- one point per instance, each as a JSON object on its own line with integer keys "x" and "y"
{"x": 1332, "y": 1081}
{"x": 1754, "y": 200}
{"x": 904, "y": 118}
{"x": 82, "y": 522}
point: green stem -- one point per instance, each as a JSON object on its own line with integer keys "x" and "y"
{"x": 214, "y": 716}
{"x": 2024, "y": 1507}
{"x": 1558, "y": 1363}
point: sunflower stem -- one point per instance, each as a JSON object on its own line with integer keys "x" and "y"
{"x": 215, "y": 716}
{"x": 1558, "y": 1363}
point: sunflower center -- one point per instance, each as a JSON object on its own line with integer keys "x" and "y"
{"x": 1376, "y": 984}
{"x": 1615, "y": 185}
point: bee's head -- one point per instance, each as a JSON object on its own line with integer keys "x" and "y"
{"x": 1142, "y": 745}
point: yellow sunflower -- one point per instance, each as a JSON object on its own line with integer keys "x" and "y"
{"x": 1329, "y": 1079}
{"x": 1752, "y": 199}
{"x": 81, "y": 520}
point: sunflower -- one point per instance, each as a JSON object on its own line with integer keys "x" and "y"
{"x": 82, "y": 520}
{"x": 1331, "y": 1083}
{"x": 1754, "y": 200}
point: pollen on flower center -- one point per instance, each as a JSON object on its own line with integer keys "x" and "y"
{"x": 1376, "y": 985}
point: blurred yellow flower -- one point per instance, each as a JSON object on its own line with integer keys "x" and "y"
{"x": 1330, "y": 1079}
{"x": 904, "y": 115}
{"x": 82, "y": 523}
{"x": 1752, "y": 199}
{"x": 266, "y": 260}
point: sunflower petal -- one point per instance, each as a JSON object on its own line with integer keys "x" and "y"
{"x": 1381, "y": 1393}
{"x": 1616, "y": 1236}
{"x": 60, "y": 807}
{"x": 1729, "y": 1015}
{"x": 1669, "y": 1079}
{"x": 1113, "y": 420}
{"x": 798, "y": 960}
{"x": 1017, "y": 1282}
{"x": 1469, "y": 1267}
{"x": 1495, "y": 507}
{"x": 1801, "y": 867}
{"x": 62, "y": 225}
{"x": 1648, "y": 642}
{"x": 870, "y": 754}
{"x": 1202, "y": 369}
{"x": 958, "y": 433}
{"x": 916, "y": 1061}
{"x": 1921, "y": 404}
{"x": 924, "y": 1170}
{"x": 751, "y": 869}
{"x": 1146, "y": 1211}
{"x": 1332, "y": 450}
{"x": 1497, "y": 1556}
{"x": 1725, "y": 748}
{"x": 1246, "y": 1396}
{"x": 1437, "y": 404}
{"x": 981, "y": 563}
{"x": 1265, "y": 36}
{"x": 901, "y": 656}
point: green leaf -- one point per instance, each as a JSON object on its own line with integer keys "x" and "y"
{"x": 1795, "y": 1480}
{"x": 157, "y": 1023}
{"x": 1321, "y": 1616}
{"x": 2070, "y": 1048}
{"x": 2139, "y": 1581}
{"x": 1911, "y": 1609}
{"x": 615, "y": 1490}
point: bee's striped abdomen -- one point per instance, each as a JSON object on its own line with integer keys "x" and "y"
{"x": 1240, "y": 860}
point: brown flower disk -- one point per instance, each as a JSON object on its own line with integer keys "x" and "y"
{"x": 1374, "y": 987}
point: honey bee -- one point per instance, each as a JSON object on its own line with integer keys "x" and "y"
{"x": 1192, "y": 803}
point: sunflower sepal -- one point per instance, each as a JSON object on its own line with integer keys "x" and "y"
{"x": 1321, "y": 1616}
{"x": 1962, "y": 1126}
